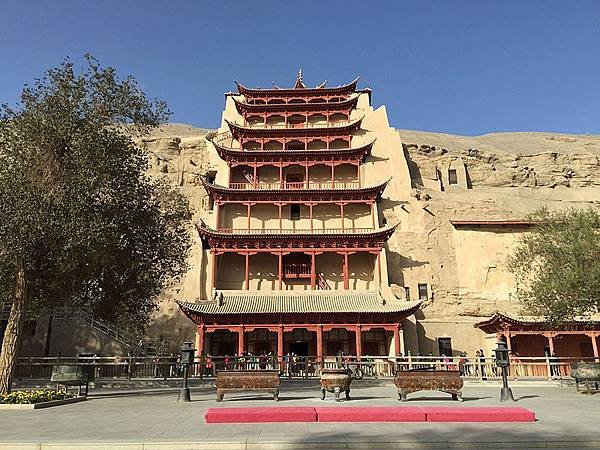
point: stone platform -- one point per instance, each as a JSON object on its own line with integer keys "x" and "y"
{"x": 152, "y": 419}
{"x": 307, "y": 414}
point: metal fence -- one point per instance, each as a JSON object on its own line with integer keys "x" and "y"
{"x": 166, "y": 367}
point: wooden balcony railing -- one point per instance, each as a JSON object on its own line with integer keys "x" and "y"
{"x": 297, "y": 125}
{"x": 294, "y": 231}
{"x": 296, "y": 270}
{"x": 342, "y": 185}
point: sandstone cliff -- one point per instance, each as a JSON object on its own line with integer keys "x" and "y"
{"x": 498, "y": 176}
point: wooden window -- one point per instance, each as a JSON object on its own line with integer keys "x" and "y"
{"x": 452, "y": 177}
{"x": 423, "y": 294}
{"x": 407, "y": 293}
{"x": 295, "y": 211}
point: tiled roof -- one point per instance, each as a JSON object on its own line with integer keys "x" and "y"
{"x": 534, "y": 319}
{"x": 305, "y": 92}
{"x": 495, "y": 322}
{"x": 248, "y": 302}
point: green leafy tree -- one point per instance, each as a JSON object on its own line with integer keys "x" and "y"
{"x": 557, "y": 265}
{"x": 81, "y": 224}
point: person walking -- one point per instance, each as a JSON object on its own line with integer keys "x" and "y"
{"x": 482, "y": 364}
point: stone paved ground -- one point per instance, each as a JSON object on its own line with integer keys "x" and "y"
{"x": 153, "y": 419}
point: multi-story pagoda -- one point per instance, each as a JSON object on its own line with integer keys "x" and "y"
{"x": 294, "y": 245}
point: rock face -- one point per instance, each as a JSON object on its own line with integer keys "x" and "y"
{"x": 495, "y": 176}
{"x": 509, "y": 159}
{"x": 178, "y": 153}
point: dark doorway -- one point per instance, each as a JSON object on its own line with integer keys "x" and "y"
{"x": 452, "y": 177}
{"x": 586, "y": 350}
{"x": 445, "y": 346}
{"x": 227, "y": 348}
{"x": 370, "y": 348}
{"x": 261, "y": 347}
{"x": 299, "y": 348}
{"x": 333, "y": 347}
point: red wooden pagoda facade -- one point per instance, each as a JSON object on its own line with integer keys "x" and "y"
{"x": 295, "y": 236}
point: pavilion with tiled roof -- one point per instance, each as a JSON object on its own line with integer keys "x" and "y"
{"x": 535, "y": 336}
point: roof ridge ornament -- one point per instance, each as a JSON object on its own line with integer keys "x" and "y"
{"x": 299, "y": 83}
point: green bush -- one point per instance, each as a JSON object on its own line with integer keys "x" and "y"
{"x": 28, "y": 397}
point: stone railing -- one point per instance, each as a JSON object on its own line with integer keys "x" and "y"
{"x": 300, "y": 366}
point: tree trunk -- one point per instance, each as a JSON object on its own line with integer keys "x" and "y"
{"x": 14, "y": 329}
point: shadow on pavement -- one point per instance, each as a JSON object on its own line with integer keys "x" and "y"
{"x": 524, "y": 397}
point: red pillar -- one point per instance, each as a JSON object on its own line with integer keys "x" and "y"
{"x": 229, "y": 174}
{"x": 280, "y": 223}
{"x": 396, "y": 341}
{"x": 200, "y": 340}
{"x": 280, "y": 341}
{"x": 313, "y": 271}
{"x": 379, "y": 266}
{"x": 373, "y": 214}
{"x": 280, "y": 257}
{"x": 310, "y": 209}
{"x": 319, "y": 342}
{"x": 332, "y": 175}
{"x": 508, "y": 343}
{"x": 358, "y": 172}
{"x": 550, "y": 338}
{"x": 280, "y": 175}
{"x": 306, "y": 176}
{"x": 346, "y": 280}
{"x": 358, "y": 336}
{"x": 241, "y": 336}
{"x": 247, "y": 281}
{"x": 217, "y": 215}
{"x": 213, "y": 276}
{"x": 255, "y": 178}
{"x": 594, "y": 345}
{"x": 249, "y": 216}
{"x": 342, "y": 214}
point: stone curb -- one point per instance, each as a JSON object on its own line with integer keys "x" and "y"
{"x": 290, "y": 445}
{"x": 31, "y": 406}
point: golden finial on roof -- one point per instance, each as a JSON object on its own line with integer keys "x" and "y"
{"x": 299, "y": 84}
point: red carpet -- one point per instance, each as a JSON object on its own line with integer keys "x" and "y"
{"x": 481, "y": 414}
{"x": 368, "y": 414}
{"x": 371, "y": 414}
{"x": 269, "y": 414}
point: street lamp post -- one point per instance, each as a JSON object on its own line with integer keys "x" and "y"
{"x": 502, "y": 361}
{"x": 186, "y": 358}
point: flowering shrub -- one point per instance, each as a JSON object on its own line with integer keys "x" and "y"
{"x": 28, "y": 397}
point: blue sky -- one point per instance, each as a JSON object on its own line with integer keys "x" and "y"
{"x": 463, "y": 67}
